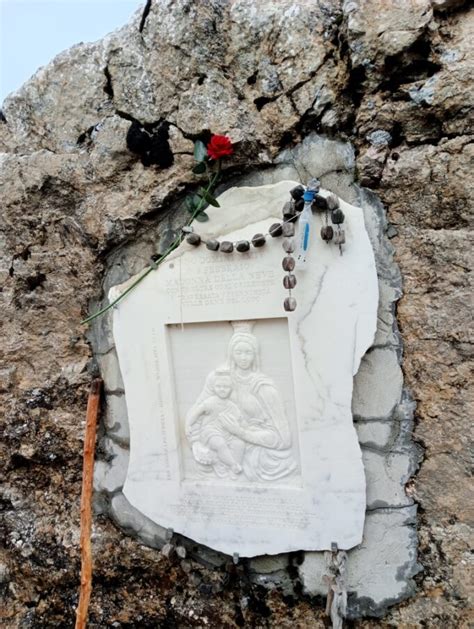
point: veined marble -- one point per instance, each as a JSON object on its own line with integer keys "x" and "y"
{"x": 241, "y": 432}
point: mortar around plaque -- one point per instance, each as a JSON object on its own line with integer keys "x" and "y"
{"x": 385, "y": 528}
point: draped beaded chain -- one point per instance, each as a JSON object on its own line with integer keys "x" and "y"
{"x": 331, "y": 231}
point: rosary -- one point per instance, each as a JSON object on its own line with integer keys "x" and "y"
{"x": 303, "y": 202}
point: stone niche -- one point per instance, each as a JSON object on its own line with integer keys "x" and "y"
{"x": 168, "y": 345}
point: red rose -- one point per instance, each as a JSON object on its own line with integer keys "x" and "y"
{"x": 219, "y": 146}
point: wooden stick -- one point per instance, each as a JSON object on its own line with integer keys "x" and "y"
{"x": 86, "y": 503}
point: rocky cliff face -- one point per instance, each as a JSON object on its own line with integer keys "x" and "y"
{"x": 392, "y": 78}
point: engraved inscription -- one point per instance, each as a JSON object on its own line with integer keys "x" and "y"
{"x": 165, "y": 471}
{"x": 238, "y": 427}
{"x": 259, "y": 510}
{"x": 232, "y": 282}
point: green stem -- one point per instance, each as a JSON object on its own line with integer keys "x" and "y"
{"x": 176, "y": 242}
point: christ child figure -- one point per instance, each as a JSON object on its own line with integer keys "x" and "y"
{"x": 215, "y": 413}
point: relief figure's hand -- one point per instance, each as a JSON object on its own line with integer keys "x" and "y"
{"x": 256, "y": 421}
{"x": 191, "y": 433}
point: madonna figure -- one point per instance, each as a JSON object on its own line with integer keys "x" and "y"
{"x": 254, "y": 433}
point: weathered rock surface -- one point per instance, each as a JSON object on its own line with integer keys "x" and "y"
{"x": 393, "y": 79}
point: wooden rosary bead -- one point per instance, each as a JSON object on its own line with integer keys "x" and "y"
{"x": 226, "y": 246}
{"x": 289, "y": 212}
{"x": 213, "y": 245}
{"x": 289, "y": 281}
{"x": 258, "y": 240}
{"x": 289, "y": 245}
{"x": 275, "y": 230}
{"x": 194, "y": 239}
{"x": 339, "y": 237}
{"x": 337, "y": 216}
{"x": 288, "y": 229}
{"x": 289, "y": 209}
{"x": 332, "y": 202}
{"x": 242, "y": 246}
{"x": 319, "y": 203}
{"x": 289, "y": 304}
{"x": 299, "y": 205}
{"x": 327, "y": 233}
{"x": 297, "y": 193}
{"x": 288, "y": 263}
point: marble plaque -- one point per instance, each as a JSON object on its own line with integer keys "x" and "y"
{"x": 241, "y": 432}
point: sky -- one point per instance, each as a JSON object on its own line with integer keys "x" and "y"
{"x": 32, "y": 32}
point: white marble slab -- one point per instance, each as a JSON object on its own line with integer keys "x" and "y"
{"x": 241, "y": 431}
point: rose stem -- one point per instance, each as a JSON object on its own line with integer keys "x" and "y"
{"x": 177, "y": 241}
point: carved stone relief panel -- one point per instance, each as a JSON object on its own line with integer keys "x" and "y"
{"x": 241, "y": 432}
{"x": 236, "y": 406}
